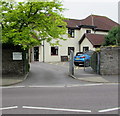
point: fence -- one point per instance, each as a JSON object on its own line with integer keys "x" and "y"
{"x": 95, "y": 62}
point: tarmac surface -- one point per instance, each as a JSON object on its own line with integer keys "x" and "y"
{"x": 83, "y": 74}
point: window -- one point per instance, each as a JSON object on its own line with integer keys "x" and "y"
{"x": 88, "y": 31}
{"x": 85, "y": 49}
{"x": 71, "y": 32}
{"x": 54, "y": 50}
{"x": 69, "y": 49}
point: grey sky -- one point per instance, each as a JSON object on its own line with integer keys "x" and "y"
{"x": 80, "y": 9}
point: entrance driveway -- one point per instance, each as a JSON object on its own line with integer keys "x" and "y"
{"x": 50, "y": 74}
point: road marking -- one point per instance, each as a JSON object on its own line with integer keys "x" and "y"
{"x": 34, "y": 86}
{"x": 8, "y": 108}
{"x": 57, "y": 109}
{"x": 13, "y": 87}
{"x": 85, "y": 85}
{"x": 108, "y": 110}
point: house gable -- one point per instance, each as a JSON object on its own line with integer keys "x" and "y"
{"x": 95, "y": 39}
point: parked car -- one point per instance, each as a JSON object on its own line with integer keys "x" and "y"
{"x": 83, "y": 58}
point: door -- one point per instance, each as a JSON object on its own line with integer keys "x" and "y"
{"x": 36, "y": 53}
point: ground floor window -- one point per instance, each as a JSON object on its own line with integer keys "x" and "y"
{"x": 69, "y": 49}
{"x": 85, "y": 49}
{"x": 54, "y": 50}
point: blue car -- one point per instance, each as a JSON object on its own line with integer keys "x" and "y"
{"x": 83, "y": 58}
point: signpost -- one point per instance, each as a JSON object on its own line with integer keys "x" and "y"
{"x": 71, "y": 63}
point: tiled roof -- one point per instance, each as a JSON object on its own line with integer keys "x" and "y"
{"x": 73, "y": 23}
{"x": 95, "y": 39}
{"x": 101, "y": 22}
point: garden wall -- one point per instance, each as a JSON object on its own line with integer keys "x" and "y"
{"x": 109, "y": 60}
{"x": 12, "y": 66}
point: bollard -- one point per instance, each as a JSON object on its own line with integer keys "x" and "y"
{"x": 71, "y": 63}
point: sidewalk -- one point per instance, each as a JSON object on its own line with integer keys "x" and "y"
{"x": 90, "y": 76}
{"x": 11, "y": 80}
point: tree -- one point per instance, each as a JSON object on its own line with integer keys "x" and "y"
{"x": 29, "y": 23}
{"x": 113, "y": 37}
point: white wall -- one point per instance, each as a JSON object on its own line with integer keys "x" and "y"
{"x": 100, "y": 32}
{"x": 63, "y": 49}
{"x": 86, "y": 43}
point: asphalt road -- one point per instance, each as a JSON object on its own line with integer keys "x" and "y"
{"x": 93, "y": 99}
{"x": 49, "y": 90}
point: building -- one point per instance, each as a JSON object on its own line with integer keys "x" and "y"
{"x": 85, "y": 34}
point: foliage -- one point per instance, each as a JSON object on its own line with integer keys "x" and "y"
{"x": 29, "y": 23}
{"x": 113, "y": 37}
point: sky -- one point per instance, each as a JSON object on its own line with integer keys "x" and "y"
{"x": 80, "y": 9}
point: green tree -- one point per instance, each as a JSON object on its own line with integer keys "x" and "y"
{"x": 113, "y": 37}
{"x": 29, "y": 23}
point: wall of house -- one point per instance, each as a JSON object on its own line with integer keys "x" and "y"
{"x": 101, "y": 32}
{"x": 45, "y": 51}
{"x": 63, "y": 49}
{"x": 109, "y": 61}
{"x": 83, "y": 31}
{"x": 86, "y": 43}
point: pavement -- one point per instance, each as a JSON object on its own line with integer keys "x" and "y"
{"x": 8, "y": 80}
{"x": 82, "y": 74}
{"x": 89, "y": 75}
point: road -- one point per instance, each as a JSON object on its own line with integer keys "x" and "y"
{"x": 61, "y": 100}
{"x": 49, "y": 90}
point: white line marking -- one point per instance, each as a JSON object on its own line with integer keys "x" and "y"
{"x": 57, "y": 109}
{"x": 108, "y": 110}
{"x": 34, "y": 86}
{"x": 13, "y": 87}
{"x": 8, "y": 108}
{"x": 84, "y": 85}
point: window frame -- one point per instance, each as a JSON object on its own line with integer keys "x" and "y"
{"x": 84, "y": 47}
{"x": 71, "y": 32}
{"x": 56, "y": 51}
{"x": 88, "y": 31}
{"x": 69, "y": 48}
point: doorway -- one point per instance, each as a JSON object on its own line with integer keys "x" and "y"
{"x": 36, "y": 53}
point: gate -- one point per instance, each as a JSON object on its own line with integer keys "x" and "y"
{"x": 95, "y": 62}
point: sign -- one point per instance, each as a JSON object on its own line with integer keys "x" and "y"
{"x": 17, "y": 55}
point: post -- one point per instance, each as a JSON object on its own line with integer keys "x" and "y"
{"x": 71, "y": 63}
{"x": 98, "y": 63}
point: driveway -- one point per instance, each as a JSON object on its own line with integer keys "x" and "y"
{"x": 50, "y": 74}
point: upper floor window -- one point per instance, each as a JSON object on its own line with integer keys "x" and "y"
{"x": 88, "y": 31}
{"x": 71, "y": 32}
